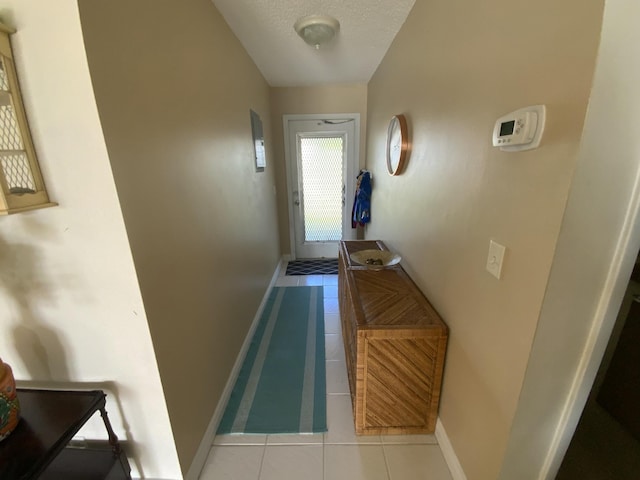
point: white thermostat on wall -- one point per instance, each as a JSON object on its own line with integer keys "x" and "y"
{"x": 520, "y": 130}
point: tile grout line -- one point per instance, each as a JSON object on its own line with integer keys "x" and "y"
{"x": 264, "y": 453}
{"x": 386, "y": 462}
{"x": 324, "y": 470}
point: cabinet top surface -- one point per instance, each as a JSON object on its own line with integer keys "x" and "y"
{"x": 386, "y": 298}
{"x": 48, "y": 421}
{"x": 351, "y": 246}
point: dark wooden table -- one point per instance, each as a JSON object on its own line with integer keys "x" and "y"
{"x": 38, "y": 447}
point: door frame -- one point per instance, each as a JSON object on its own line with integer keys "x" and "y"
{"x": 349, "y": 187}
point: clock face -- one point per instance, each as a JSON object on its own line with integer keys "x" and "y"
{"x": 397, "y": 143}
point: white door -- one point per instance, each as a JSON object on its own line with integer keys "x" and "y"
{"x": 321, "y": 153}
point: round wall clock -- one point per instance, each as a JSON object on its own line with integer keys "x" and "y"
{"x": 397, "y": 144}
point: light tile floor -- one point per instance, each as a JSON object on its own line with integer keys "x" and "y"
{"x": 338, "y": 454}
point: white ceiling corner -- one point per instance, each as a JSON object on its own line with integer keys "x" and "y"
{"x": 265, "y": 29}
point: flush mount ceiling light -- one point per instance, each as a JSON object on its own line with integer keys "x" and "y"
{"x": 317, "y": 30}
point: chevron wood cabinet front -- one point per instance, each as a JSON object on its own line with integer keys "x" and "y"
{"x": 395, "y": 345}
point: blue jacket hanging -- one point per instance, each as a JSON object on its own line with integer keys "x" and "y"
{"x": 361, "y": 213}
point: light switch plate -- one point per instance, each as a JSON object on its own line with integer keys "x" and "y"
{"x": 495, "y": 258}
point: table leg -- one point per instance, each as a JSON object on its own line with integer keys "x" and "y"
{"x": 113, "y": 438}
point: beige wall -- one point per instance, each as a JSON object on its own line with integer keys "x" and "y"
{"x": 309, "y": 100}
{"x": 595, "y": 255}
{"x": 71, "y": 311}
{"x": 453, "y": 69}
{"x": 174, "y": 88}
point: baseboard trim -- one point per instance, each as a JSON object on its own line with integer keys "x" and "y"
{"x": 207, "y": 440}
{"x": 457, "y": 473}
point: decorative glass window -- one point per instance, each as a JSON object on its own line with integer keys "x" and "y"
{"x": 22, "y": 187}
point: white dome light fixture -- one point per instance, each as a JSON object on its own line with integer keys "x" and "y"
{"x": 317, "y": 30}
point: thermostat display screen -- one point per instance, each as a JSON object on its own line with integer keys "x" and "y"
{"x": 507, "y": 128}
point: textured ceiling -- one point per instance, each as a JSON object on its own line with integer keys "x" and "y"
{"x": 265, "y": 29}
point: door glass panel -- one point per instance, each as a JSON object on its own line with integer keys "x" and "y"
{"x": 321, "y": 161}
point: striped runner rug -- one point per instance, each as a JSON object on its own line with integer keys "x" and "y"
{"x": 281, "y": 387}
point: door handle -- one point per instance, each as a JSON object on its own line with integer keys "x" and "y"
{"x": 296, "y": 197}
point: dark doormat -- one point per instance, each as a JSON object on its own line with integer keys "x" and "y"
{"x": 320, "y": 266}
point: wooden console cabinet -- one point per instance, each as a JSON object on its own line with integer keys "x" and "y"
{"x": 395, "y": 346}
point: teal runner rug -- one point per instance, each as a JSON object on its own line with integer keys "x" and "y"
{"x": 281, "y": 387}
